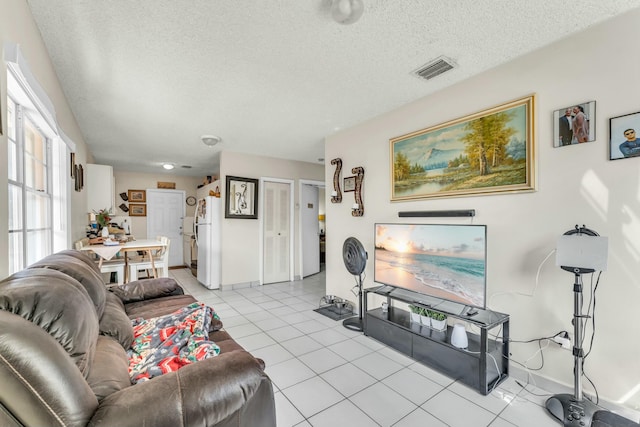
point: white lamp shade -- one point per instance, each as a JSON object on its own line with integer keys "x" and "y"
{"x": 459, "y": 336}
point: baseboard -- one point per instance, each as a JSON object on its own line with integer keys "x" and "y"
{"x": 236, "y": 286}
{"x": 523, "y": 376}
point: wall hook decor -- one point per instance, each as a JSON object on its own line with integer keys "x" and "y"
{"x": 358, "y": 207}
{"x": 336, "y": 194}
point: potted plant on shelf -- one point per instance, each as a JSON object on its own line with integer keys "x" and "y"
{"x": 415, "y": 313}
{"x": 438, "y": 320}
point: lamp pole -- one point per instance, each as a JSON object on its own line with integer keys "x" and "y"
{"x": 578, "y": 354}
{"x": 575, "y": 410}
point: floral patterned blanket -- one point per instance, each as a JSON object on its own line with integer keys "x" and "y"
{"x": 167, "y": 343}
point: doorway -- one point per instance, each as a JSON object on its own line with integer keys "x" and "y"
{"x": 277, "y": 230}
{"x": 165, "y": 212}
{"x": 311, "y": 233}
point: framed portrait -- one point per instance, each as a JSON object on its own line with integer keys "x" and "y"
{"x": 72, "y": 164}
{"x": 623, "y": 138}
{"x": 241, "y": 198}
{"x": 575, "y": 124}
{"x": 488, "y": 152}
{"x": 349, "y": 184}
{"x": 137, "y": 196}
{"x": 81, "y": 176}
{"x": 76, "y": 177}
{"x": 137, "y": 209}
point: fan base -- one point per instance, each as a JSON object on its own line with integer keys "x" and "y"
{"x": 353, "y": 323}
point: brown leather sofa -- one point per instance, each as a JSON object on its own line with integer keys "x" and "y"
{"x": 63, "y": 337}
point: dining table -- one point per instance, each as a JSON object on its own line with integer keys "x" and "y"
{"x": 106, "y": 252}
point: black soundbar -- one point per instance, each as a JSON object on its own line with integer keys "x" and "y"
{"x": 414, "y": 214}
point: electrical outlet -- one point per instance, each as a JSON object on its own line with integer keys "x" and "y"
{"x": 564, "y": 342}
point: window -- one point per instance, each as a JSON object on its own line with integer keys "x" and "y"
{"x": 36, "y": 161}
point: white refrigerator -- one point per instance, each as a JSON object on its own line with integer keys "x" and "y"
{"x": 207, "y": 231}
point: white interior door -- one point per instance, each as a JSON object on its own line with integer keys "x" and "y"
{"x": 276, "y": 232}
{"x": 165, "y": 212}
{"x": 309, "y": 198}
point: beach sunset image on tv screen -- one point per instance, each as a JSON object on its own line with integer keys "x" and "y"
{"x": 444, "y": 261}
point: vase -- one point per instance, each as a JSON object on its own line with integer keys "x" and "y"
{"x": 415, "y": 318}
{"x": 425, "y": 320}
{"x": 439, "y": 325}
{"x": 105, "y": 231}
{"x": 459, "y": 336}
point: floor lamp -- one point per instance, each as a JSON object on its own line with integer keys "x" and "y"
{"x": 579, "y": 251}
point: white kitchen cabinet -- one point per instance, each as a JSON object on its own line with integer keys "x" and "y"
{"x": 100, "y": 188}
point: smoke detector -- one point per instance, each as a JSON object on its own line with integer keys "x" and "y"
{"x": 434, "y": 68}
{"x": 210, "y": 140}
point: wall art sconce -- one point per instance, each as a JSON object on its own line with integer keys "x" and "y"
{"x": 336, "y": 194}
{"x": 358, "y": 207}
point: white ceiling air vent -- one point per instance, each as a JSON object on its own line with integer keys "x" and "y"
{"x": 434, "y": 68}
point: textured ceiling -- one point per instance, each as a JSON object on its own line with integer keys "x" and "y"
{"x": 146, "y": 78}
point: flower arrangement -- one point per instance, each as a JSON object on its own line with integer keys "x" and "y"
{"x": 103, "y": 217}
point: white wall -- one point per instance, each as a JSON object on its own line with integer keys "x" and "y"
{"x": 126, "y": 181}
{"x": 17, "y": 26}
{"x": 241, "y": 237}
{"x": 576, "y": 185}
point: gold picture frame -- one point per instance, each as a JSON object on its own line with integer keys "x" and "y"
{"x": 489, "y": 152}
{"x": 137, "y": 209}
{"x": 137, "y": 196}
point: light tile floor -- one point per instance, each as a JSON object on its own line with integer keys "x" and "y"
{"x": 327, "y": 375}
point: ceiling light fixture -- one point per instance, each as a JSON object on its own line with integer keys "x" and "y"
{"x": 346, "y": 11}
{"x": 210, "y": 140}
{"x": 168, "y": 166}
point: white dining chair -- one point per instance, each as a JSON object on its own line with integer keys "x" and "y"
{"x": 160, "y": 261}
{"x": 114, "y": 265}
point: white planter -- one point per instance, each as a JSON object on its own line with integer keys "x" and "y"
{"x": 415, "y": 318}
{"x": 426, "y": 321}
{"x": 439, "y": 325}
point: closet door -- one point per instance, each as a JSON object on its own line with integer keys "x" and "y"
{"x": 277, "y": 248}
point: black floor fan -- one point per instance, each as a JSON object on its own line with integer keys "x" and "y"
{"x": 355, "y": 259}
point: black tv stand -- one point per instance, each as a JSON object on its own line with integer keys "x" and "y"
{"x": 482, "y": 366}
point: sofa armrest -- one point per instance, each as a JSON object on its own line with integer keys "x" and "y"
{"x": 145, "y": 289}
{"x": 201, "y": 394}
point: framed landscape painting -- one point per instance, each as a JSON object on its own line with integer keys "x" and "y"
{"x": 488, "y": 152}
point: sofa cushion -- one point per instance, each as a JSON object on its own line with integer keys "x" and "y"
{"x": 59, "y": 305}
{"x": 82, "y": 256}
{"x": 157, "y": 307}
{"x": 115, "y": 323}
{"x": 79, "y": 270}
{"x": 110, "y": 368}
{"x": 40, "y": 384}
{"x": 146, "y": 289}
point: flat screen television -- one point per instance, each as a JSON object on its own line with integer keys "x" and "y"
{"x": 443, "y": 261}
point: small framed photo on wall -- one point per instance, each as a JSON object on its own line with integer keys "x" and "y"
{"x": 349, "y": 184}
{"x": 623, "y": 136}
{"x": 137, "y": 196}
{"x": 574, "y": 124}
{"x": 137, "y": 209}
